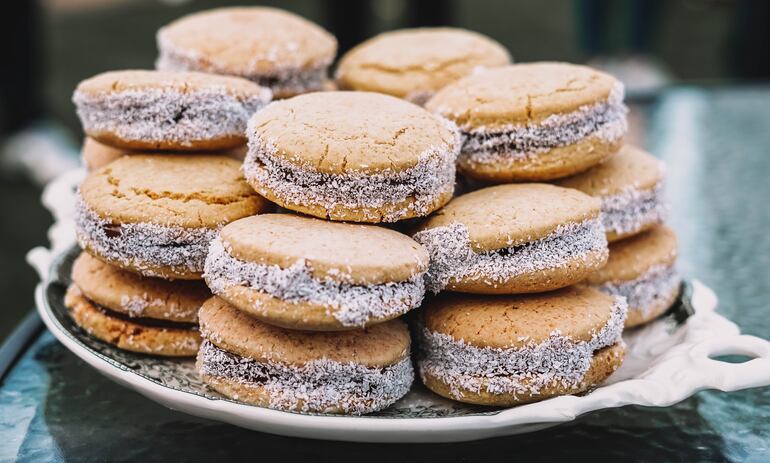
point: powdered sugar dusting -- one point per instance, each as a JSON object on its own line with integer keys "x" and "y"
{"x": 558, "y": 360}
{"x": 351, "y": 305}
{"x": 632, "y": 209}
{"x": 318, "y": 386}
{"x": 605, "y": 120}
{"x": 647, "y": 291}
{"x": 166, "y": 115}
{"x": 432, "y": 177}
{"x": 143, "y": 245}
{"x": 452, "y": 258}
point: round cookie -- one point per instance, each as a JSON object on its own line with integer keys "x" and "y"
{"x": 350, "y": 372}
{"x": 154, "y": 110}
{"x": 642, "y": 269}
{"x": 146, "y": 336}
{"x": 510, "y": 239}
{"x": 630, "y": 186}
{"x": 310, "y": 274}
{"x": 271, "y": 47}
{"x": 96, "y": 155}
{"x": 534, "y": 121}
{"x": 414, "y": 63}
{"x": 510, "y": 350}
{"x": 353, "y": 156}
{"x": 155, "y": 215}
{"x": 137, "y": 296}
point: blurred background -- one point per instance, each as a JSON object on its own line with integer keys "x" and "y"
{"x": 49, "y": 46}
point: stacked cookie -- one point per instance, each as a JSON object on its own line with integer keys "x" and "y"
{"x": 162, "y": 182}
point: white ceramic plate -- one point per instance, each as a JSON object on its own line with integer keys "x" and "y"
{"x": 667, "y": 361}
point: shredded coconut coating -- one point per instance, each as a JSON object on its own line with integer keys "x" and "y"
{"x": 646, "y": 292}
{"x": 144, "y": 245}
{"x": 632, "y": 209}
{"x": 558, "y": 360}
{"x": 317, "y": 386}
{"x": 605, "y": 120}
{"x": 431, "y": 178}
{"x": 165, "y": 115}
{"x": 284, "y": 80}
{"x": 351, "y": 305}
{"x": 451, "y": 255}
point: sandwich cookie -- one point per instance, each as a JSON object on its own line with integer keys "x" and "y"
{"x": 153, "y": 110}
{"x": 630, "y": 186}
{"x": 304, "y": 273}
{"x": 642, "y": 269}
{"x": 414, "y": 63}
{"x": 353, "y": 156}
{"x": 350, "y": 372}
{"x": 510, "y": 350}
{"x": 135, "y": 313}
{"x": 272, "y": 47}
{"x": 156, "y": 215}
{"x": 512, "y": 239}
{"x": 536, "y": 121}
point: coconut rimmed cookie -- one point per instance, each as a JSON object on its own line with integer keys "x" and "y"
{"x": 156, "y": 215}
{"x": 509, "y": 350}
{"x": 304, "y": 273}
{"x": 630, "y": 186}
{"x": 135, "y": 313}
{"x": 535, "y": 121}
{"x": 154, "y": 110}
{"x": 354, "y": 156}
{"x": 350, "y": 372}
{"x": 642, "y": 269}
{"x": 271, "y": 47}
{"x": 414, "y": 63}
{"x": 512, "y": 239}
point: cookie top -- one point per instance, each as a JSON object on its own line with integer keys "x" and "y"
{"x": 409, "y": 61}
{"x": 249, "y": 41}
{"x": 235, "y": 331}
{"x": 96, "y": 154}
{"x": 114, "y": 82}
{"x": 520, "y": 94}
{"x": 631, "y": 257}
{"x": 509, "y": 215}
{"x": 190, "y": 191}
{"x": 518, "y": 320}
{"x": 630, "y": 168}
{"x": 138, "y": 296}
{"x": 349, "y": 253}
{"x": 350, "y": 132}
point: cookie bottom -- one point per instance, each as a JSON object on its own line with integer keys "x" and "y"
{"x": 604, "y": 362}
{"x": 159, "y": 338}
{"x": 638, "y": 316}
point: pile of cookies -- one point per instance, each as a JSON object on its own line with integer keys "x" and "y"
{"x": 288, "y": 266}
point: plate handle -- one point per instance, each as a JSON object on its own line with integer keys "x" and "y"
{"x": 728, "y": 376}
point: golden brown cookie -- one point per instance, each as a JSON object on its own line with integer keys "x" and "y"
{"x": 145, "y": 336}
{"x": 155, "y": 110}
{"x": 415, "y": 63}
{"x": 351, "y": 372}
{"x": 271, "y": 47}
{"x": 642, "y": 269}
{"x": 155, "y": 215}
{"x": 509, "y": 350}
{"x": 510, "y": 239}
{"x": 630, "y": 186}
{"x": 534, "y": 121}
{"x": 305, "y": 273}
{"x": 353, "y": 156}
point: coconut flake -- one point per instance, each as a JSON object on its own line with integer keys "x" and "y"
{"x": 558, "y": 360}
{"x": 351, "y": 305}
{"x": 633, "y": 209}
{"x": 647, "y": 291}
{"x": 453, "y": 258}
{"x": 316, "y": 386}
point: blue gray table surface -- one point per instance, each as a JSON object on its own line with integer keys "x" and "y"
{"x": 716, "y": 142}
